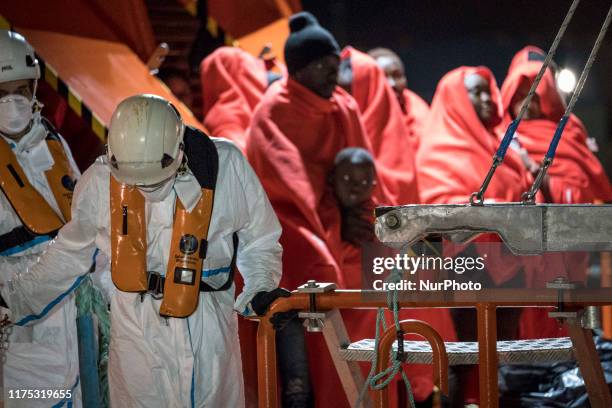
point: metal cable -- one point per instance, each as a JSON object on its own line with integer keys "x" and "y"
{"x": 477, "y": 198}
{"x": 529, "y": 196}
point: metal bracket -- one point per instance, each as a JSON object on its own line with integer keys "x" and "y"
{"x": 313, "y": 286}
{"x": 314, "y": 320}
{"x": 526, "y": 229}
{"x": 562, "y": 284}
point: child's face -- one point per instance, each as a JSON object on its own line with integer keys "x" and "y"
{"x": 354, "y": 183}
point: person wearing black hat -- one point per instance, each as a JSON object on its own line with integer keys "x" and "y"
{"x": 312, "y": 55}
{"x": 296, "y": 131}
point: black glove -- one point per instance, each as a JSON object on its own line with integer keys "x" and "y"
{"x": 262, "y": 300}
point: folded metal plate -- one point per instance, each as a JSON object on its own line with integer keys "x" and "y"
{"x": 526, "y": 229}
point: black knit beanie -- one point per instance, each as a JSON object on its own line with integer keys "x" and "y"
{"x": 307, "y": 42}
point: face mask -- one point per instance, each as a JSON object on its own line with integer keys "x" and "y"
{"x": 15, "y": 114}
{"x": 157, "y": 192}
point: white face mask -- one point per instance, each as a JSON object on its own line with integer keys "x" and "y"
{"x": 15, "y": 114}
{"x": 158, "y": 192}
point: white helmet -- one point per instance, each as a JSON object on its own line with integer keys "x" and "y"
{"x": 145, "y": 140}
{"x": 17, "y": 58}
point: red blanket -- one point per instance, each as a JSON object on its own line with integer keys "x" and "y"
{"x": 385, "y": 127}
{"x": 393, "y": 145}
{"x": 294, "y": 138}
{"x": 456, "y": 154}
{"x": 415, "y": 117}
{"x": 454, "y": 158}
{"x": 292, "y": 142}
{"x": 233, "y": 82}
{"x": 576, "y": 175}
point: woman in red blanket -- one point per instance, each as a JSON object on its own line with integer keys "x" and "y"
{"x": 452, "y": 162}
{"x": 414, "y": 108}
{"x": 385, "y": 126}
{"x": 233, "y": 82}
{"x": 575, "y": 176}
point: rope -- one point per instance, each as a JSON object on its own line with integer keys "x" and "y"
{"x": 388, "y": 374}
{"x": 529, "y": 196}
{"x": 477, "y": 198}
{"x": 89, "y": 300}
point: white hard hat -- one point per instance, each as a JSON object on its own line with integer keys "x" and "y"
{"x": 145, "y": 140}
{"x": 17, "y": 58}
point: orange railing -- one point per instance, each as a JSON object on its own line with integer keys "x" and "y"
{"x": 487, "y": 335}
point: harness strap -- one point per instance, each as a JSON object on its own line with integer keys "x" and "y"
{"x": 16, "y": 237}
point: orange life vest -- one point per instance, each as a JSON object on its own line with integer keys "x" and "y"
{"x": 187, "y": 250}
{"x": 29, "y": 205}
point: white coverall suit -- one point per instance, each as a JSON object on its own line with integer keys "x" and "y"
{"x": 153, "y": 361}
{"x": 43, "y": 347}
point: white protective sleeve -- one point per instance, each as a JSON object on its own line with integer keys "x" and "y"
{"x": 259, "y": 252}
{"x": 60, "y": 267}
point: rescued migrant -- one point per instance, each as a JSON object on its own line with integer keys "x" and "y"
{"x": 385, "y": 127}
{"x": 414, "y": 108}
{"x": 233, "y": 83}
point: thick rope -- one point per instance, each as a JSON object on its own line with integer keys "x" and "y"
{"x": 387, "y": 376}
{"x": 477, "y": 198}
{"x": 89, "y": 301}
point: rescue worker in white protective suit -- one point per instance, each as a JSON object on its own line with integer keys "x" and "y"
{"x": 37, "y": 177}
{"x": 147, "y": 206}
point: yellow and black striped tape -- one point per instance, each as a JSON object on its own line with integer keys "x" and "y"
{"x": 212, "y": 26}
{"x": 75, "y": 102}
{"x": 216, "y": 31}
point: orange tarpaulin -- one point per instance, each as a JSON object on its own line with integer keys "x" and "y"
{"x": 101, "y": 73}
{"x": 240, "y": 17}
{"x": 274, "y": 34}
{"x": 126, "y": 21}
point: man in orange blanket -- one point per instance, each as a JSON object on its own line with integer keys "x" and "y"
{"x": 575, "y": 176}
{"x": 233, "y": 82}
{"x": 384, "y": 124}
{"x": 414, "y": 108}
{"x": 452, "y": 162}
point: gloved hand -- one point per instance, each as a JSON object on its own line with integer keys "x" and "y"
{"x": 262, "y": 300}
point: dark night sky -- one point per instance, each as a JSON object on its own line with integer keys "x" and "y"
{"x": 435, "y": 36}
